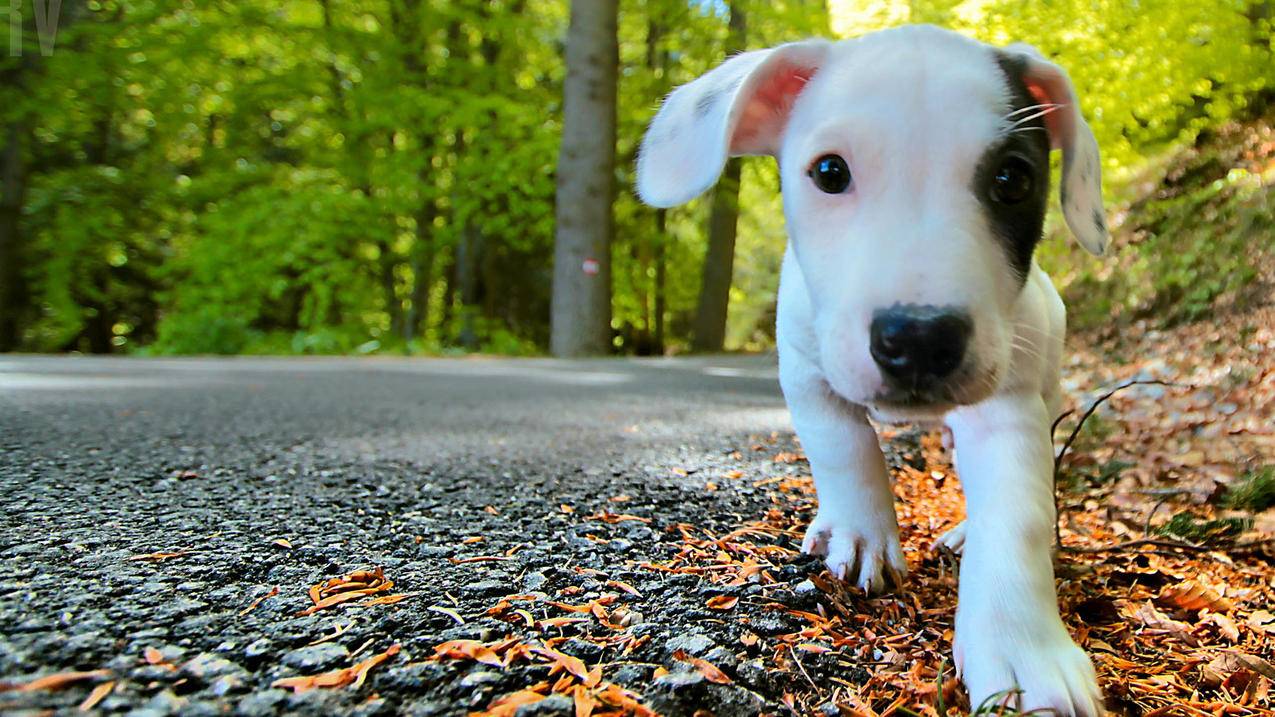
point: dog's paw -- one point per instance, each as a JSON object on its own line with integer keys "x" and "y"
{"x": 1050, "y": 676}
{"x": 953, "y": 540}
{"x": 858, "y": 548}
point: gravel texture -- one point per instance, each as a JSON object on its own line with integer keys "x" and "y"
{"x": 376, "y": 462}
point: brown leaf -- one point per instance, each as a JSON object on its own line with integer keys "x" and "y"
{"x": 153, "y": 656}
{"x": 386, "y": 600}
{"x": 282, "y": 543}
{"x": 98, "y": 694}
{"x": 1193, "y": 596}
{"x": 1225, "y": 625}
{"x": 625, "y": 587}
{"x": 257, "y": 603}
{"x": 706, "y": 668}
{"x": 722, "y": 602}
{"x": 58, "y": 681}
{"x": 357, "y": 584}
{"x": 336, "y": 679}
{"x": 508, "y": 705}
{"x": 1262, "y": 620}
{"x": 584, "y": 702}
{"x": 156, "y": 557}
{"x": 1229, "y": 662}
{"x": 469, "y": 650}
{"x": 573, "y": 665}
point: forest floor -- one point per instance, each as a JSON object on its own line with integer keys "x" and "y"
{"x": 537, "y": 538}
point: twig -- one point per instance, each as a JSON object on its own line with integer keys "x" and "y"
{"x": 1171, "y": 543}
{"x": 1062, "y": 453}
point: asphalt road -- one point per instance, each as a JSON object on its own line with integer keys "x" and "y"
{"x": 358, "y": 463}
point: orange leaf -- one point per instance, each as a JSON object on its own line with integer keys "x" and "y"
{"x": 722, "y": 602}
{"x": 257, "y": 603}
{"x": 573, "y": 665}
{"x": 354, "y": 675}
{"x": 98, "y": 694}
{"x": 625, "y": 587}
{"x": 585, "y": 703}
{"x": 282, "y": 543}
{"x": 62, "y": 679}
{"x": 153, "y": 656}
{"x": 508, "y": 705}
{"x": 468, "y": 650}
{"x": 386, "y": 600}
{"x": 706, "y": 668}
{"x": 1190, "y": 595}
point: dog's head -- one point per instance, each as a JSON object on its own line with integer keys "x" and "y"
{"x": 915, "y": 168}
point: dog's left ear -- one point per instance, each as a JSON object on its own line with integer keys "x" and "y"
{"x": 741, "y": 107}
{"x": 1081, "y": 189}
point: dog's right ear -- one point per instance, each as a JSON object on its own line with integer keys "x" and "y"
{"x": 739, "y": 108}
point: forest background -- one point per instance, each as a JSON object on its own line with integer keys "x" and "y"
{"x": 327, "y": 176}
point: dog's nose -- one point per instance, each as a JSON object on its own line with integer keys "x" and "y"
{"x": 914, "y": 343}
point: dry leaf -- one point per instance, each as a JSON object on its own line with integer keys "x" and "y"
{"x": 625, "y": 587}
{"x": 282, "y": 543}
{"x": 357, "y": 584}
{"x": 722, "y": 602}
{"x": 1193, "y": 596}
{"x": 706, "y": 668}
{"x": 153, "y": 656}
{"x": 352, "y": 676}
{"x": 386, "y": 599}
{"x": 508, "y": 705}
{"x": 98, "y": 694}
{"x": 1225, "y": 625}
{"x": 468, "y": 650}
{"x": 157, "y": 557}
{"x": 584, "y": 702}
{"x": 57, "y": 681}
{"x": 257, "y": 603}
{"x": 1262, "y": 620}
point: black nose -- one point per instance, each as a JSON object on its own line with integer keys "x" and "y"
{"x": 913, "y": 344}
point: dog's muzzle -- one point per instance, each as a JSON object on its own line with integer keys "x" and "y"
{"x": 918, "y": 348}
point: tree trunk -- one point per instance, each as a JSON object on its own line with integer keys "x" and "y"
{"x": 708, "y": 333}
{"x": 580, "y": 322}
{"x": 13, "y": 297}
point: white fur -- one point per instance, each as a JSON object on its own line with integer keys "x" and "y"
{"x": 911, "y": 110}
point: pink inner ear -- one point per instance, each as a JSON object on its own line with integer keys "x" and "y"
{"x": 1057, "y": 121}
{"x": 765, "y": 113}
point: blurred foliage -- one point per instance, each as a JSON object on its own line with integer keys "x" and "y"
{"x": 1254, "y": 491}
{"x": 328, "y": 176}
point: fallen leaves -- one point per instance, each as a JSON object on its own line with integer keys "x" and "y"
{"x": 57, "y": 681}
{"x": 335, "y": 591}
{"x": 1191, "y": 595}
{"x": 350, "y": 676}
{"x": 257, "y": 603}
{"x": 722, "y": 602}
{"x": 161, "y": 556}
{"x": 710, "y": 671}
{"x": 98, "y": 694}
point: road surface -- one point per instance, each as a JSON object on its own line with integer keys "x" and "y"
{"x": 262, "y": 473}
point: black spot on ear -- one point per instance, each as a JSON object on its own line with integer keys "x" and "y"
{"x": 705, "y": 103}
{"x": 1018, "y": 227}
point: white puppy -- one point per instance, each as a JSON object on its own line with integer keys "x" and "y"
{"x": 915, "y": 169}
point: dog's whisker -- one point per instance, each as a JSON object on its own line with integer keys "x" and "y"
{"x": 1042, "y": 113}
{"x": 1029, "y": 108}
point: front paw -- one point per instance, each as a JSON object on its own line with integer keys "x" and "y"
{"x": 859, "y": 547}
{"x": 1030, "y": 670}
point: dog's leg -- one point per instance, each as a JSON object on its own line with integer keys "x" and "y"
{"x": 855, "y": 527}
{"x": 1008, "y": 631}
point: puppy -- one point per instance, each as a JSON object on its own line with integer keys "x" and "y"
{"x": 914, "y": 164}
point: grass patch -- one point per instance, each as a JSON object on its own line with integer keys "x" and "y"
{"x": 1254, "y": 492}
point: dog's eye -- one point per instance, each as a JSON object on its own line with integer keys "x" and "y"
{"x": 831, "y": 174}
{"x": 1013, "y": 181}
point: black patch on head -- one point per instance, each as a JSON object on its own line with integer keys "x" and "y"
{"x": 1019, "y": 226}
{"x": 1099, "y": 221}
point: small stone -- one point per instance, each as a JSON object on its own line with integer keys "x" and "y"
{"x": 487, "y": 588}
{"x": 680, "y": 680}
{"x": 207, "y": 666}
{"x": 316, "y": 657}
{"x": 534, "y": 581}
{"x": 693, "y": 643}
{"x": 479, "y": 677}
{"x": 554, "y": 705}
